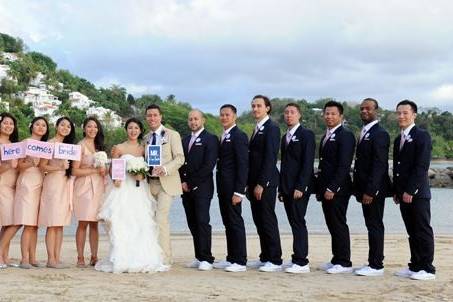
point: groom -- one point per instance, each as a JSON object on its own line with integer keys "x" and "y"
{"x": 165, "y": 182}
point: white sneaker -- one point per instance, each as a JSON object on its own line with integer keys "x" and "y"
{"x": 405, "y": 273}
{"x": 205, "y": 266}
{"x": 221, "y": 264}
{"x": 369, "y": 271}
{"x": 163, "y": 268}
{"x": 423, "y": 275}
{"x": 194, "y": 264}
{"x": 297, "y": 269}
{"x": 339, "y": 269}
{"x": 326, "y": 266}
{"x": 287, "y": 264}
{"x": 269, "y": 267}
{"x": 235, "y": 268}
{"x": 255, "y": 263}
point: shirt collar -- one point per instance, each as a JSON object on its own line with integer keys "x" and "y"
{"x": 334, "y": 128}
{"x": 198, "y": 132}
{"x": 225, "y": 132}
{"x": 408, "y": 129}
{"x": 368, "y": 126}
{"x": 158, "y": 130}
{"x": 261, "y": 123}
{"x": 293, "y": 130}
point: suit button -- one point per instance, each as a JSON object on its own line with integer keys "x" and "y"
{"x": 320, "y": 158}
{"x": 185, "y": 163}
{"x": 355, "y": 170}
{"x": 397, "y": 174}
{"x": 399, "y": 162}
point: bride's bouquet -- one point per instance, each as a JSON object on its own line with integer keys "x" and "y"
{"x": 100, "y": 159}
{"x": 137, "y": 166}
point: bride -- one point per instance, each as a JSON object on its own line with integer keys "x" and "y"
{"x": 127, "y": 212}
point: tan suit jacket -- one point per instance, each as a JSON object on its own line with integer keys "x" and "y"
{"x": 172, "y": 159}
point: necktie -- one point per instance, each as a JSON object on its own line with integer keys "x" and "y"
{"x": 288, "y": 137}
{"x": 192, "y": 140}
{"x": 326, "y": 137}
{"x": 362, "y": 134}
{"x": 153, "y": 142}
{"x": 223, "y": 136}
{"x": 403, "y": 139}
{"x": 255, "y": 131}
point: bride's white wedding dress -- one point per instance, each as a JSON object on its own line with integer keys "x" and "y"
{"x": 128, "y": 213}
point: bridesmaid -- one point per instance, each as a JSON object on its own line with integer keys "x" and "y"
{"x": 28, "y": 194}
{"x": 8, "y": 176}
{"x": 56, "y": 198}
{"x": 88, "y": 189}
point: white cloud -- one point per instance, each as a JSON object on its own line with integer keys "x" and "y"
{"x": 444, "y": 93}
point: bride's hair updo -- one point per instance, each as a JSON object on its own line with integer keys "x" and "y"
{"x": 136, "y": 121}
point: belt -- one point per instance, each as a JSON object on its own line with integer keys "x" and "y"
{"x": 154, "y": 177}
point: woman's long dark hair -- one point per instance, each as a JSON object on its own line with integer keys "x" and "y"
{"x": 13, "y": 137}
{"x": 99, "y": 138}
{"x": 68, "y": 139}
{"x": 45, "y": 137}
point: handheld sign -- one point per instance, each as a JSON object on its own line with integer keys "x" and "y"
{"x": 154, "y": 155}
{"x": 67, "y": 151}
{"x": 118, "y": 169}
{"x": 12, "y": 151}
{"x": 39, "y": 149}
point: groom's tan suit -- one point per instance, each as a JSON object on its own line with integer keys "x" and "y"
{"x": 165, "y": 188}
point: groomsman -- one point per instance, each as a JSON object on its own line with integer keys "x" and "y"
{"x": 296, "y": 174}
{"x": 262, "y": 184}
{"x": 232, "y": 170}
{"x": 371, "y": 183}
{"x": 200, "y": 151}
{"x": 411, "y": 159}
{"x": 334, "y": 185}
{"x": 165, "y": 182}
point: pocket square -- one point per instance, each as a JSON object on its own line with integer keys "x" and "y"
{"x": 198, "y": 144}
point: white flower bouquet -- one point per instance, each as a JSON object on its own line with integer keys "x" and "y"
{"x": 100, "y": 159}
{"x": 137, "y": 166}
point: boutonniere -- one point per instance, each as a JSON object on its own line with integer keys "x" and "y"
{"x": 261, "y": 128}
{"x": 228, "y": 136}
{"x": 409, "y": 140}
{"x": 198, "y": 140}
{"x": 164, "y": 139}
{"x": 332, "y": 136}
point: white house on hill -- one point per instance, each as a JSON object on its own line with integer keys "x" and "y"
{"x": 106, "y": 116}
{"x": 79, "y": 100}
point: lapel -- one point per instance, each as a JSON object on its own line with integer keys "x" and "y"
{"x": 412, "y": 135}
{"x": 331, "y": 138}
{"x": 296, "y": 136}
{"x": 230, "y": 134}
{"x": 263, "y": 128}
{"x": 198, "y": 140}
{"x": 369, "y": 133}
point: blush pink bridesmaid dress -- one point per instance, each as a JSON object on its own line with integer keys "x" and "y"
{"x": 28, "y": 194}
{"x": 88, "y": 190}
{"x": 55, "y": 207}
{"x": 7, "y": 189}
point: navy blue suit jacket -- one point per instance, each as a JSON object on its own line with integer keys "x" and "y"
{"x": 296, "y": 170}
{"x": 233, "y": 163}
{"x": 200, "y": 161}
{"x": 263, "y": 152}
{"x": 335, "y": 160}
{"x": 371, "y": 164}
{"x": 411, "y": 164}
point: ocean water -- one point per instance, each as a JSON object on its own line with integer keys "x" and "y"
{"x": 441, "y": 209}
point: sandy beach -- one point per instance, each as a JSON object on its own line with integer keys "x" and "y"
{"x": 184, "y": 284}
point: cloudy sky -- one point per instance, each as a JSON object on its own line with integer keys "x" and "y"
{"x": 208, "y": 52}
